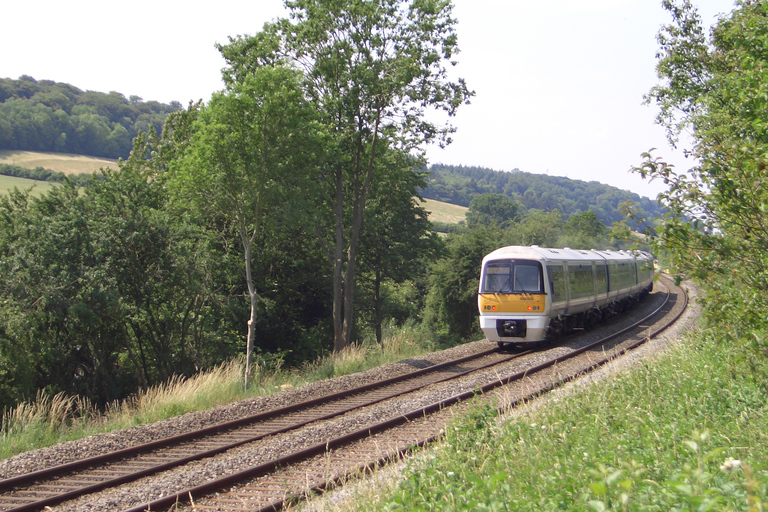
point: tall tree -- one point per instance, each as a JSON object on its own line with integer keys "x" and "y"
{"x": 372, "y": 68}
{"x": 397, "y": 243}
{"x": 250, "y": 142}
{"x": 716, "y": 88}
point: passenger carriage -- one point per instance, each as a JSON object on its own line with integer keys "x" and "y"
{"x": 527, "y": 294}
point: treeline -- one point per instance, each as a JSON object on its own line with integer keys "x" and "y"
{"x": 48, "y": 116}
{"x": 459, "y": 184}
{"x": 279, "y": 218}
{"x": 42, "y": 174}
{"x": 113, "y": 286}
{"x": 110, "y": 288}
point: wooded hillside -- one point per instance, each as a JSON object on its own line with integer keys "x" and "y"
{"x": 49, "y": 116}
{"x": 458, "y": 184}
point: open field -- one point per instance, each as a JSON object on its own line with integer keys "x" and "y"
{"x": 80, "y": 164}
{"x": 445, "y": 212}
{"x": 59, "y": 162}
{"x": 38, "y": 187}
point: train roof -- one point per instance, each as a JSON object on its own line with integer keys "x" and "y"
{"x": 534, "y": 252}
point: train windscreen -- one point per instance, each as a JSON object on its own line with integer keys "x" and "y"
{"x": 512, "y": 276}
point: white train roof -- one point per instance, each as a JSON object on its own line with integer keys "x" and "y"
{"x": 534, "y": 252}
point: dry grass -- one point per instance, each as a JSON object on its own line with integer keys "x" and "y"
{"x": 49, "y": 420}
{"x": 46, "y": 412}
{"x": 179, "y": 395}
{"x": 445, "y": 212}
{"x": 59, "y": 162}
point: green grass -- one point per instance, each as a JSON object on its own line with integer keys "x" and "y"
{"x": 7, "y": 183}
{"x": 59, "y": 162}
{"x": 661, "y": 437}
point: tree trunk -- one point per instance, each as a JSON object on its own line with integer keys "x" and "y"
{"x": 338, "y": 266}
{"x": 252, "y": 320}
{"x": 377, "y": 303}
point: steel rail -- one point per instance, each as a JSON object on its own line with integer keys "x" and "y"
{"x": 219, "y": 427}
{"x": 266, "y": 468}
{"x": 32, "y": 504}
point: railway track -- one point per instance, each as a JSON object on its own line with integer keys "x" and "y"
{"x": 292, "y": 468}
{"x": 68, "y": 481}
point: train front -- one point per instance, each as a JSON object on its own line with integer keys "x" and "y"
{"x": 512, "y": 299}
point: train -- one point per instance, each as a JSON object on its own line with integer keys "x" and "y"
{"x": 529, "y": 295}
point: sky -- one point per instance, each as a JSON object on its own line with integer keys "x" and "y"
{"x": 559, "y": 84}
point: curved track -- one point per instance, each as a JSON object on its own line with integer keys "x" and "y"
{"x": 57, "y": 484}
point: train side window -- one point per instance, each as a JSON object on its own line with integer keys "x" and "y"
{"x": 557, "y": 283}
{"x": 613, "y": 277}
{"x": 581, "y": 280}
{"x": 601, "y": 278}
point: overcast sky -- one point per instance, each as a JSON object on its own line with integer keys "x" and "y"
{"x": 559, "y": 83}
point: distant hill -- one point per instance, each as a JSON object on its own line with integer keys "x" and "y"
{"x": 459, "y": 184}
{"x": 50, "y": 116}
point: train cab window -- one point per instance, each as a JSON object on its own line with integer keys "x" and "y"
{"x": 512, "y": 276}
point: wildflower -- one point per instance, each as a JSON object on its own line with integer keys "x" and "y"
{"x": 730, "y": 464}
{"x": 451, "y": 473}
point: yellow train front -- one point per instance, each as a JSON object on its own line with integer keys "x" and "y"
{"x": 529, "y": 293}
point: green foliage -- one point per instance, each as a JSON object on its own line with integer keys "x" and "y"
{"x": 102, "y": 290}
{"x": 716, "y": 228}
{"x": 396, "y": 246}
{"x": 486, "y": 209}
{"x": 459, "y": 185}
{"x": 584, "y": 231}
{"x": 684, "y": 433}
{"x": 49, "y": 116}
{"x": 371, "y": 69}
{"x": 246, "y": 155}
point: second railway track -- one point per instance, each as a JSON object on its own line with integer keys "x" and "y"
{"x": 314, "y": 431}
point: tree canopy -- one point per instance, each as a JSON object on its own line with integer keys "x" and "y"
{"x": 372, "y": 69}
{"x": 49, "y": 116}
{"x": 716, "y": 88}
{"x": 246, "y": 155}
{"x": 460, "y": 184}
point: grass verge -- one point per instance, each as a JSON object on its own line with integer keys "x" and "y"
{"x": 684, "y": 432}
{"x": 51, "y": 420}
